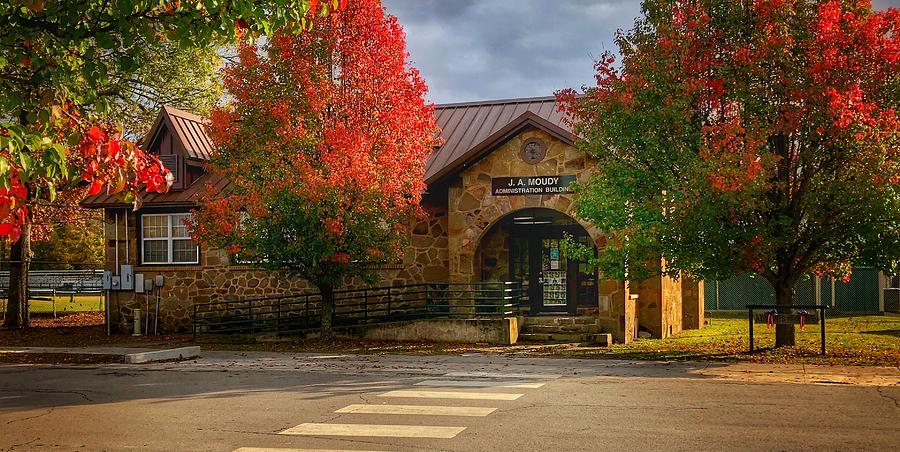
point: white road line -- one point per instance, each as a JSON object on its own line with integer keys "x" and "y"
{"x": 418, "y": 410}
{"x": 279, "y": 449}
{"x": 451, "y": 395}
{"x": 396, "y": 431}
{"x": 479, "y": 384}
{"x": 502, "y": 375}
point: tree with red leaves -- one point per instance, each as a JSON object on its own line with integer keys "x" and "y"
{"x": 324, "y": 144}
{"x": 754, "y": 136}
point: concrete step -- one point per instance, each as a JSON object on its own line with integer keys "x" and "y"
{"x": 553, "y": 329}
{"x": 559, "y": 320}
{"x": 598, "y": 339}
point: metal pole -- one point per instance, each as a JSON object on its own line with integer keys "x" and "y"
{"x": 127, "y": 246}
{"x": 105, "y": 295}
{"x": 147, "y": 315}
{"x": 116, "y": 228}
{"x": 822, "y": 321}
{"x": 717, "y": 295}
{"x": 751, "y": 323}
{"x": 832, "y": 292}
{"x": 817, "y": 290}
{"x": 156, "y": 317}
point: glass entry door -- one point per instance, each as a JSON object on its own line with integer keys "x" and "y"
{"x": 553, "y": 277}
{"x": 547, "y": 276}
{"x": 552, "y": 282}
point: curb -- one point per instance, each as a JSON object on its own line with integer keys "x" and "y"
{"x": 163, "y": 355}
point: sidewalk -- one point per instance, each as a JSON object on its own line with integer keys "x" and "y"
{"x": 475, "y": 362}
{"x": 488, "y": 363}
{"x": 95, "y": 355}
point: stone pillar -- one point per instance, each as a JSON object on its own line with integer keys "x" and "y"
{"x": 629, "y": 321}
{"x": 692, "y": 303}
{"x": 659, "y": 305}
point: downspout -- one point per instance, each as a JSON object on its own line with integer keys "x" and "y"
{"x": 116, "y": 220}
{"x": 127, "y": 243}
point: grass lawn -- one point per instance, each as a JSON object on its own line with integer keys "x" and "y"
{"x": 868, "y": 340}
{"x": 79, "y": 303}
{"x": 860, "y": 340}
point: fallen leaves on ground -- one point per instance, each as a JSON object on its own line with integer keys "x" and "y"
{"x": 80, "y": 329}
{"x": 74, "y": 320}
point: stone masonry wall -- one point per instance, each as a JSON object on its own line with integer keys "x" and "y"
{"x": 215, "y": 278}
{"x": 473, "y": 210}
{"x": 492, "y": 259}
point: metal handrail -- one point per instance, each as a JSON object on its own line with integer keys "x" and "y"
{"x": 365, "y": 306}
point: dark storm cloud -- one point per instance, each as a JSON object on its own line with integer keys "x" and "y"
{"x": 490, "y": 49}
{"x": 493, "y": 49}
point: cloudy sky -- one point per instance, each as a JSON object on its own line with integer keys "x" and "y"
{"x": 492, "y": 49}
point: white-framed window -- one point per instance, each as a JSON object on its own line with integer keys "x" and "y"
{"x": 165, "y": 239}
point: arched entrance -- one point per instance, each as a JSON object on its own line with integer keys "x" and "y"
{"x": 525, "y": 246}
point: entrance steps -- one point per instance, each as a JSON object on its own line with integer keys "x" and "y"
{"x": 563, "y": 329}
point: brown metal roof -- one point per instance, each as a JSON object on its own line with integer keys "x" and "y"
{"x": 189, "y": 129}
{"x": 471, "y": 129}
{"x": 188, "y": 197}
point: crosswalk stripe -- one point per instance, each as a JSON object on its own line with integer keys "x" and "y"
{"x": 425, "y": 410}
{"x": 452, "y": 395}
{"x": 479, "y": 384}
{"x": 398, "y": 431}
{"x": 281, "y": 449}
{"x": 502, "y": 375}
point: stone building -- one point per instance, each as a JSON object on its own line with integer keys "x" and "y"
{"x": 498, "y": 200}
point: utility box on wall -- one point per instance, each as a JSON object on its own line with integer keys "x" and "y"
{"x": 127, "y": 273}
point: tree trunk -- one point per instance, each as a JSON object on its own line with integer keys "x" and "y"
{"x": 327, "y": 333}
{"x": 20, "y": 261}
{"x": 784, "y": 296}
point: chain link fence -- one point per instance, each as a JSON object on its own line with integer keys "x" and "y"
{"x": 861, "y": 294}
{"x": 58, "y": 287}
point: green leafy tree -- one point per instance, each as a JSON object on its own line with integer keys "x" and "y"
{"x": 181, "y": 77}
{"x": 747, "y": 136}
{"x": 57, "y": 58}
{"x": 74, "y": 245}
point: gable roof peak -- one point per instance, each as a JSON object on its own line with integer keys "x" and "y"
{"x": 172, "y": 111}
{"x": 187, "y": 128}
{"x": 472, "y": 129}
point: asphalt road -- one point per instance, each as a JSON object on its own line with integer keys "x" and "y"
{"x": 225, "y": 402}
